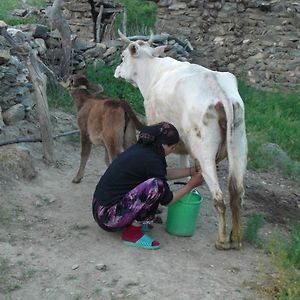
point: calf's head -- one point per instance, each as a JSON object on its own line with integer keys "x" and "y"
{"x": 80, "y": 82}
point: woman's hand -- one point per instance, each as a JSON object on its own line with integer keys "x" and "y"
{"x": 196, "y": 180}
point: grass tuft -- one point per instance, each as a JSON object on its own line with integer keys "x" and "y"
{"x": 251, "y": 234}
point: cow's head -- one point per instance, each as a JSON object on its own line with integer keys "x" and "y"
{"x": 135, "y": 53}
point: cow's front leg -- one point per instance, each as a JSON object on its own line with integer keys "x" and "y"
{"x": 222, "y": 242}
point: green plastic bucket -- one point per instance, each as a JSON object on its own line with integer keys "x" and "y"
{"x": 182, "y": 215}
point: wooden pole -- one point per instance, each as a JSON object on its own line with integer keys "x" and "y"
{"x": 39, "y": 81}
{"x": 124, "y": 22}
{"x": 98, "y": 25}
{"x": 59, "y": 22}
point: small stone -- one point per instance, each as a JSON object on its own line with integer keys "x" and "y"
{"x": 75, "y": 267}
{"x": 101, "y": 267}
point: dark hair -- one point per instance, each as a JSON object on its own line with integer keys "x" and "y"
{"x": 158, "y": 134}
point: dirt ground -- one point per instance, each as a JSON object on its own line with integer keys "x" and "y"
{"x": 51, "y": 248}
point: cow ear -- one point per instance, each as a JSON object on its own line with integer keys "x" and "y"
{"x": 159, "y": 51}
{"x": 133, "y": 49}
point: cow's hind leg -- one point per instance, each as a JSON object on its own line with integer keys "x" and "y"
{"x": 236, "y": 192}
{"x": 237, "y": 167}
{"x": 210, "y": 176}
{"x": 113, "y": 133}
{"x": 205, "y": 147}
{"x": 129, "y": 135}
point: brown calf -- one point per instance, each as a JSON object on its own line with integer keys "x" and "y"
{"x": 101, "y": 120}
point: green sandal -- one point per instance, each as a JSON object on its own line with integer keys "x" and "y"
{"x": 144, "y": 242}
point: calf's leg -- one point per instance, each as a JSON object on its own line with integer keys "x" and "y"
{"x": 86, "y": 147}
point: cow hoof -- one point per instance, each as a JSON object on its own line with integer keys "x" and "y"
{"x": 76, "y": 180}
{"x": 222, "y": 245}
{"x": 235, "y": 245}
{"x": 235, "y": 241}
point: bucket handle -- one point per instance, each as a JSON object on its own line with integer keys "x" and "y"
{"x": 184, "y": 183}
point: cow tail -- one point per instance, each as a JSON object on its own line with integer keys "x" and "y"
{"x": 236, "y": 144}
{"x": 132, "y": 115}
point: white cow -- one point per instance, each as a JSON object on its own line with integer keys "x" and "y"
{"x": 206, "y": 108}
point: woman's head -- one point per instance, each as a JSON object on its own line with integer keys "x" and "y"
{"x": 159, "y": 134}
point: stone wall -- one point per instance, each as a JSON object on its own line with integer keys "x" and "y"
{"x": 89, "y": 17}
{"x": 256, "y": 40}
{"x": 17, "y": 101}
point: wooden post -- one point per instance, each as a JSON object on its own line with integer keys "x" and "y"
{"x": 124, "y": 22}
{"x": 98, "y": 25}
{"x": 39, "y": 81}
{"x": 59, "y": 22}
{"x": 108, "y": 29}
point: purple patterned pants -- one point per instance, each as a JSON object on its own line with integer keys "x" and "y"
{"x": 138, "y": 204}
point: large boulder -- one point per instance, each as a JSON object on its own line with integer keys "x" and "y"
{"x": 16, "y": 163}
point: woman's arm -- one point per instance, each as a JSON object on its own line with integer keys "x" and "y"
{"x": 195, "y": 181}
{"x": 181, "y": 172}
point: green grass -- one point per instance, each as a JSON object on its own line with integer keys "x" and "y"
{"x": 285, "y": 253}
{"x": 7, "y": 7}
{"x": 272, "y": 117}
{"x": 116, "y": 88}
{"x": 141, "y": 16}
{"x": 59, "y": 97}
{"x": 251, "y": 233}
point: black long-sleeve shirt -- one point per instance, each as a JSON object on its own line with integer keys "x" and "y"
{"x": 129, "y": 169}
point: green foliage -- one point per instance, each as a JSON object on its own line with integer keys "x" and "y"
{"x": 285, "y": 252}
{"x": 116, "y": 88}
{"x": 254, "y": 224}
{"x": 141, "y": 16}
{"x": 59, "y": 97}
{"x": 7, "y": 7}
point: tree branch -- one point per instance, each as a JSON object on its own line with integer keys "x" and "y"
{"x": 35, "y": 139}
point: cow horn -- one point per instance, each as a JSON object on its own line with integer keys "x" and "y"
{"x": 123, "y": 37}
{"x": 151, "y": 39}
